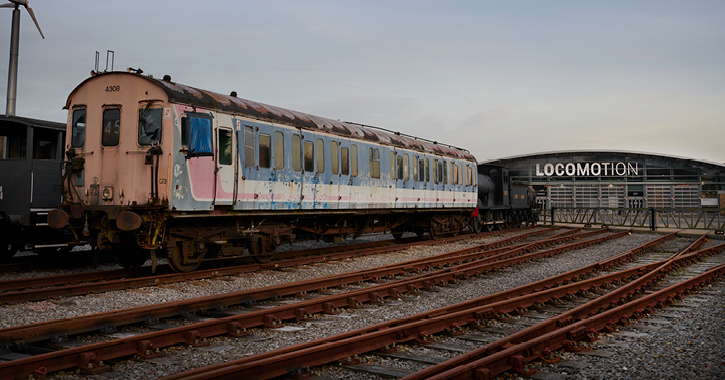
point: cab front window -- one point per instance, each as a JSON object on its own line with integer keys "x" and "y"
{"x": 149, "y": 125}
{"x": 111, "y": 127}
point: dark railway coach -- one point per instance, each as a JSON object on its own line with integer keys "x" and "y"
{"x": 30, "y": 157}
{"x": 159, "y": 167}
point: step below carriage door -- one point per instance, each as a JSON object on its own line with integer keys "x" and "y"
{"x": 196, "y": 137}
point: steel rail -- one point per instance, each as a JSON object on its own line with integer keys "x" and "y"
{"x": 122, "y": 282}
{"x": 49, "y": 329}
{"x": 289, "y": 359}
{"x": 187, "y": 335}
{"x": 516, "y": 357}
{"x": 621, "y": 296}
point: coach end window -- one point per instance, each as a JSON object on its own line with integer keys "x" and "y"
{"x": 111, "y": 127}
{"x": 78, "y": 129}
{"x": 149, "y": 125}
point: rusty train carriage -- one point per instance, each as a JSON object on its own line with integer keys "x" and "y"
{"x": 159, "y": 166}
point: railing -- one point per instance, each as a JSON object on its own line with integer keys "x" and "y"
{"x": 652, "y": 218}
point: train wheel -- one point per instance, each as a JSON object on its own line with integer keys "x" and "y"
{"x": 499, "y": 216}
{"x": 489, "y": 221}
{"x": 175, "y": 257}
{"x": 436, "y": 230}
{"x": 258, "y": 252}
{"x": 130, "y": 257}
{"x": 419, "y": 231}
{"x": 8, "y": 250}
{"x": 477, "y": 224}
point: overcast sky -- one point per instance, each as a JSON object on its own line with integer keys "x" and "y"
{"x": 499, "y": 78}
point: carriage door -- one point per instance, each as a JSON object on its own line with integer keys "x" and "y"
{"x": 266, "y": 176}
{"x": 226, "y": 166}
{"x": 345, "y": 178}
{"x": 309, "y": 177}
{"x": 196, "y": 136}
{"x": 335, "y": 175}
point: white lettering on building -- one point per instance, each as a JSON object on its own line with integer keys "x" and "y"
{"x": 595, "y": 169}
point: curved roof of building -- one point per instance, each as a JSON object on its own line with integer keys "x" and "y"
{"x": 183, "y": 94}
{"x": 568, "y": 153}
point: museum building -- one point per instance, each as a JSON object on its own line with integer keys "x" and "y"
{"x": 618, "y": 179}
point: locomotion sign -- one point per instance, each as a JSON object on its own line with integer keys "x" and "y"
{"x": 594, "y": 169}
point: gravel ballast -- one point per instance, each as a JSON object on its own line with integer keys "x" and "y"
{"x": 224, "y": 348}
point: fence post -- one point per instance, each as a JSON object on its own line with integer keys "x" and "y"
{"x": 652, "y": 219}
{"x": 553, "y": 213}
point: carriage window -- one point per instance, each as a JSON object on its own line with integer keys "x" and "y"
{"x": 196, "y": 135}
{"x": 427, "y": 170}
{"x": 414, "y": 165}
{"x": 149, "y": 125}
{"x": 320, "y": 156}
{"x": 249, "y": 146}
{"x": 278, "y": 150}
{"x": 353, "y": 153}
{"x": 45, "y": 144}
{"x": 436, "y": 170}
{"x": 78, "y": 129}
{"x": 225, "y": 147}
{"x": 400, "y": 167}
{"x": 265, "y": 150}
{"x": 345, "y": 161}
{"x": 13, "y": 143}
{"x": 406, "y": 168}
{"x": 111, "y": 127}
{"x": 392, "y": 165}
{"x": 333, "y": 157}
{"x": 309, "y": 156}
{"x": 296, "y": 153}
{"x": 374, "y": 163}
{"x": 444, "y": 173}
{"x": 455, "y": 174}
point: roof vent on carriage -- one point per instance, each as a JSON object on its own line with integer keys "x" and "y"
{"x": 167, "y": 78}
{"x": 233, "y": 94}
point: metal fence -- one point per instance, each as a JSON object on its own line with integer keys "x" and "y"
{"x": 652, "y": 218}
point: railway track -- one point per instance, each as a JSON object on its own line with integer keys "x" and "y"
{"x": 40, "y": 288}
{"x": 564, "y": 315}
{"x": 235, "y": 324}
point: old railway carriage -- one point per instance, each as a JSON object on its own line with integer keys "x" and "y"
{"x": 160, "y": 167}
